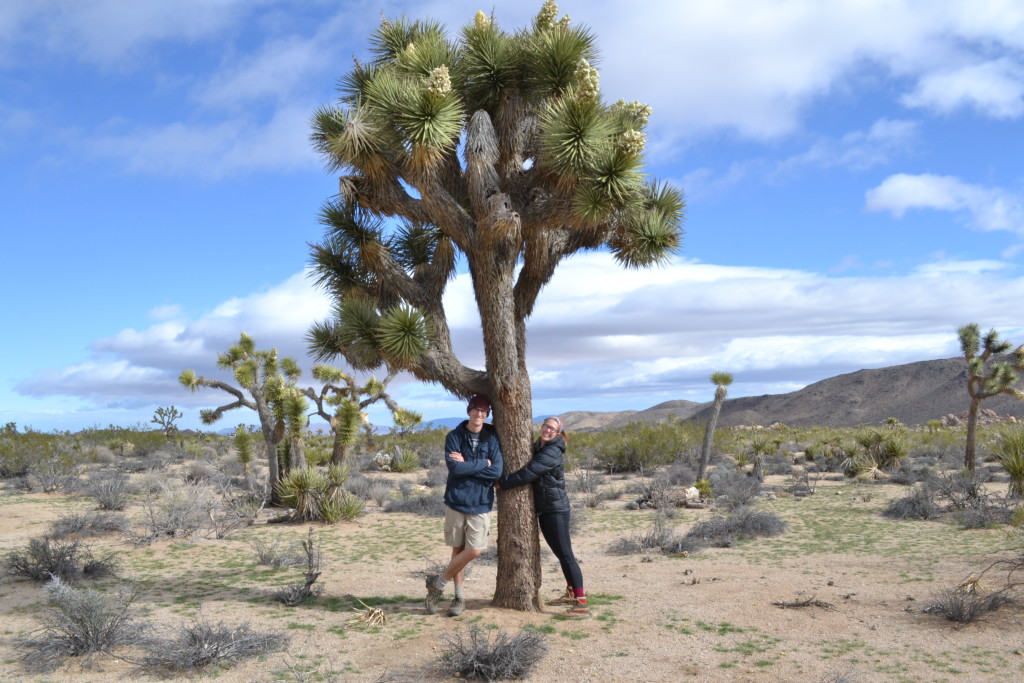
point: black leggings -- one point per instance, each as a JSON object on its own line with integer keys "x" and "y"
{"x": 555, "y": 527}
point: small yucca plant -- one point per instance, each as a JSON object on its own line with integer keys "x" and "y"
{"x": 1009, "y": 451}
{"x": 302, "y": 490}
{"x": 404, "y": 461}
{"x": 342, "y": 508}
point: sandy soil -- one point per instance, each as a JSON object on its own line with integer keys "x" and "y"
{"x": 707, "y": 617}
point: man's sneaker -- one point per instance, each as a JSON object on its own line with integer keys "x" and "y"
{"x": 457, "y": 607}
{"x": 578, "y": 610}
{"x": 434, "y": 595}
{"x": 566, "y": 598}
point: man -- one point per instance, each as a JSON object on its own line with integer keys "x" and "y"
{"x": 473, "y": 455}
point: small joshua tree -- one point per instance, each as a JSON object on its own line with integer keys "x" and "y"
{"x": 165, "y": 417}
{"x": 270, "y": 383}
{"x": 349, "y": 399}
{"x": 243, "y": 446}
{"x": 721, "y": 380}
{"x": 984, "y": 380}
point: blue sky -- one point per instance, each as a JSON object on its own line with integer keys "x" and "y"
{"x": 854, "y": 173}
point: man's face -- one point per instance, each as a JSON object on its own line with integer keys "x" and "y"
{"x": 476, "y": 418}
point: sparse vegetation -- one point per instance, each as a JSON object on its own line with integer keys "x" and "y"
{"x": 473, "y": 654}
{"x": 46, "y": 558}
{"x": 89, "y": 524}
{"x": 200, "y": 645}
{"x": 296, "y": 594}
{"x": 80, "y": 622}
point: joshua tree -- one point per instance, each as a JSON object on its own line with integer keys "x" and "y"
{"x": 493, "y": 150}
{"x": 270, "y": 384}
{"x": 721, "y": 380}
{"x": 243, "y": 446}
{"x": 985, "y": 381}
{"x": 341, "y": 392}
{"x": 165, "y": 417}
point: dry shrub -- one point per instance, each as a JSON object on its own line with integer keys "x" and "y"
{"x": 661, "y": 537}
{"x": 89, "y": 524}
{"x": 920, "y": 504}
{"x": 379, "y": 491}
{"x": 273, "y": 555}
{"x": 428, "y": 505}
{"x": 966, "y": 605}
{"x": 178, "y": 510}
{"x": 437, "y": 475}
{"x": 80, "y": 623}
{"x": 46, "y": 558}
{"x": 744, "y": 523}
{"x": 472, "y": 654}
{"x": 200, "y": 645}
{"x": 111, "y": 490}
{"x": 733, "y": 489}
{"x": 296, "y": 594}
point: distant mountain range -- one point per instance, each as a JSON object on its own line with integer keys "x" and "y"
{"x": 913, "y": 393}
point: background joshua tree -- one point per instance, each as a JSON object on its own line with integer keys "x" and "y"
{"x": 546, "y": 170}
{"x": 243, "y": 447}
{"x": 985, "y": 381}
{"x": 270, "y": 384}
{"x": 341, "y": 392}
{"x": 166, "y": 417}
{"x": 721, "y": 380}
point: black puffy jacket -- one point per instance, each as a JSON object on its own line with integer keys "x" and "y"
{"x": 547, "y": 475}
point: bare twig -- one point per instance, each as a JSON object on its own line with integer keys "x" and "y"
{"x": 809, "y": 602}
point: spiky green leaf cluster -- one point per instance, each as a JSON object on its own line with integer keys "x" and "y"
{"x": 347, "y": 419}
{"x": 408, "y": 206}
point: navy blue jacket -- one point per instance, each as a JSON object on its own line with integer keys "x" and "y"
{"x": 470, "y": 485}
{"x": 546, "y": 473}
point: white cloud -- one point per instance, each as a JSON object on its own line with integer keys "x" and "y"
{"x": 601, "y": 332}
{"x": 857, "y": 150}
{"x": 213, "y": 150}
{"x": 988, "y": 208}
{"x": 746, "y": 66}
{"x": 995, "y": 89}
{"x": 110, "y": 31}
{"x": 165, "y": 312}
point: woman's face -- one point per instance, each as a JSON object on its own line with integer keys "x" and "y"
{"x": 548, "y": 430}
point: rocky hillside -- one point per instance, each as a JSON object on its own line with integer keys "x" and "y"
{"x": 913, "y": 393}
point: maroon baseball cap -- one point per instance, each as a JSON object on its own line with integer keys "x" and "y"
{"x": 479, "y": 401}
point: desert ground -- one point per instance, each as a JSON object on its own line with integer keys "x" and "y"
{"x": 714, "y": 615}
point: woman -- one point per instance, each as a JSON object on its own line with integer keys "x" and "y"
{"x": 546, "y": 473}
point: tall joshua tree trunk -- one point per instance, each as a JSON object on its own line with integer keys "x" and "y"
{"x": 721, "y": 380}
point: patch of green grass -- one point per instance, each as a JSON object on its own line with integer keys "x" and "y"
{"x": 540, "y": 628}
{"x": 608, "y": 619}
{"x": 752, "y": 646}
{"x": 721, "y": 629}
{"x": 679, "y": 624}
{"x": 296, "y": 626}
{"x": 599, "y": 599}
{"x": 574, "y": 635}
{"x": 839, "y": 647}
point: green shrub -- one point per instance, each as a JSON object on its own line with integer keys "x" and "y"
{"x": 302, "y": 489}
{"x": 344, "y": 508}
{"x": 1009, "y": 451}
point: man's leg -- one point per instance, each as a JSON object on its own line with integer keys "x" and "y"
{"x": 461, "y": 557}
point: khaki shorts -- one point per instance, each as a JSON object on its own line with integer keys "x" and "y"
{"x": 462, "y": 530}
